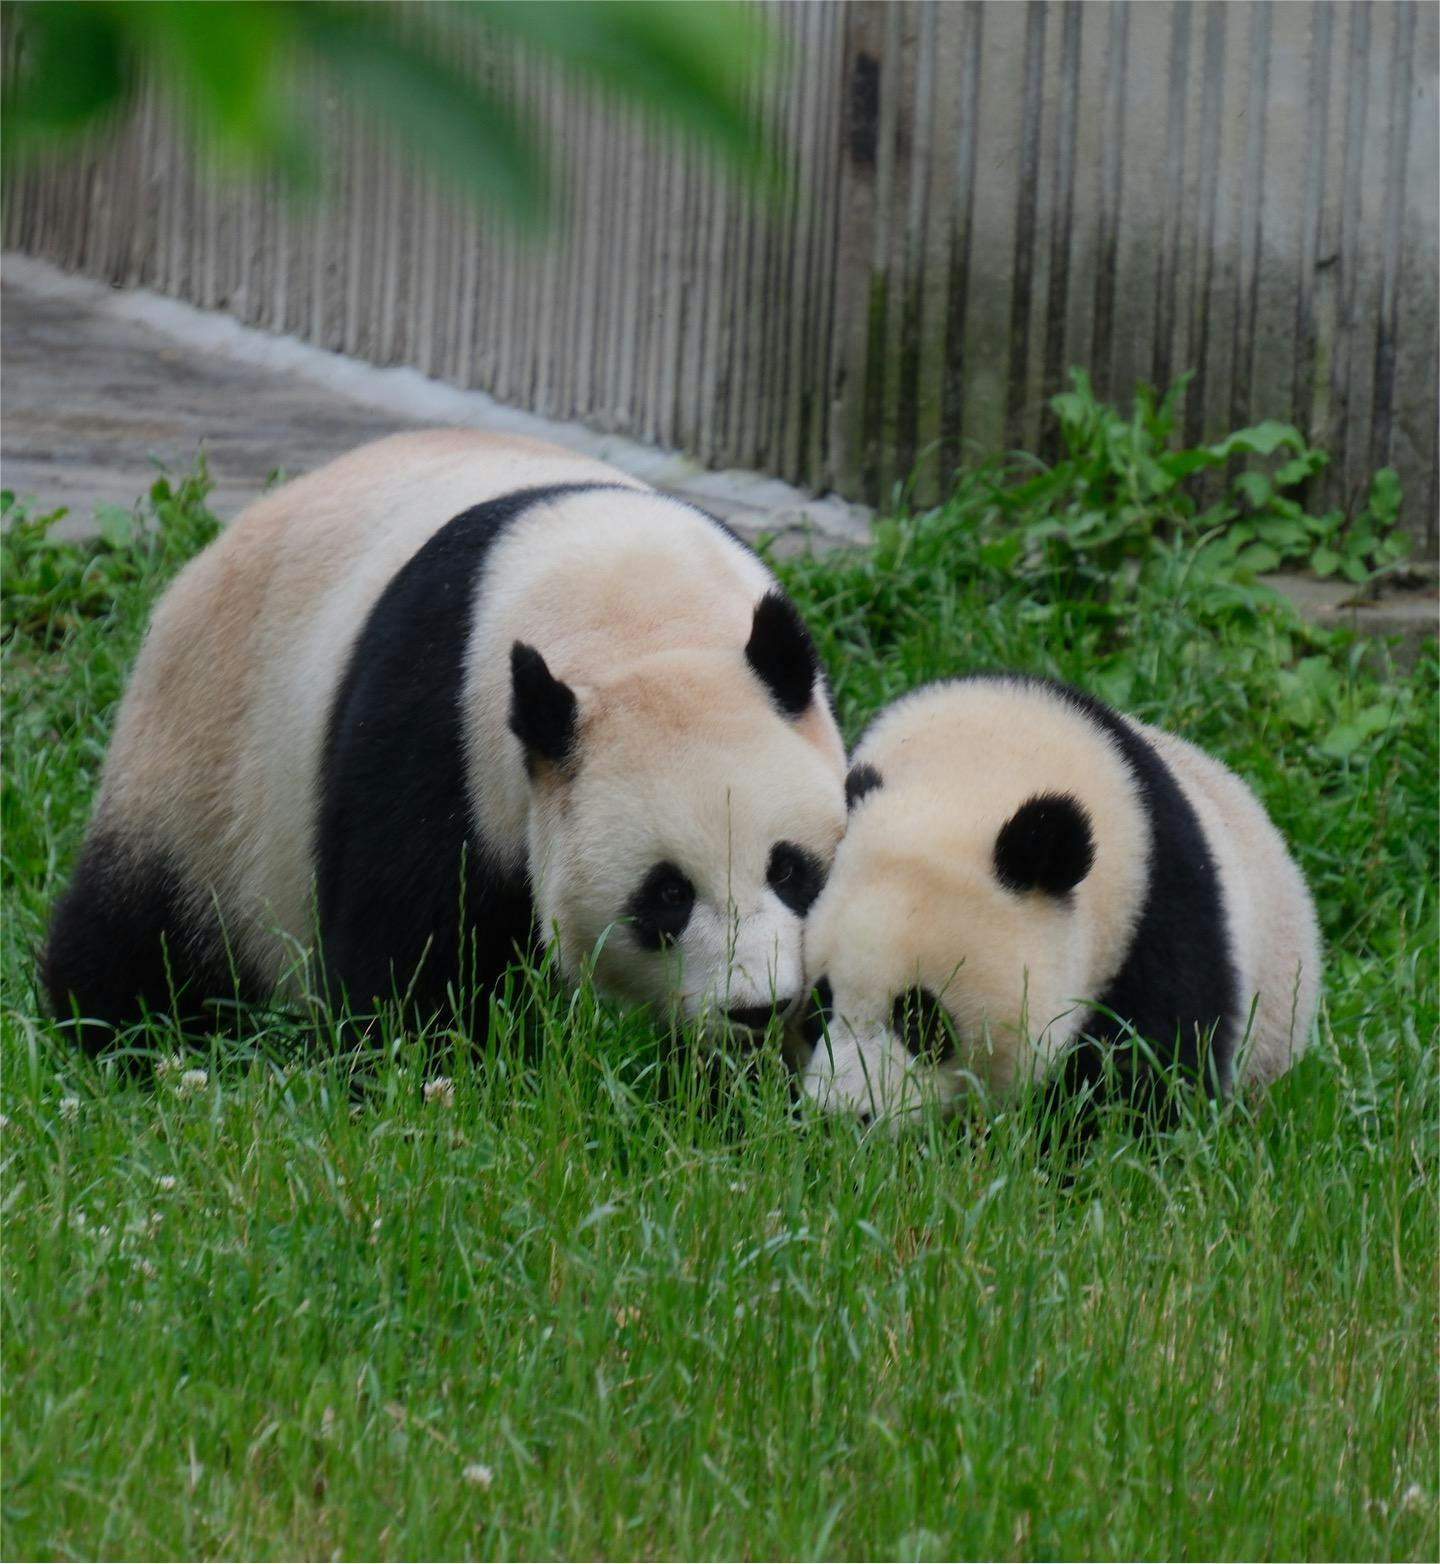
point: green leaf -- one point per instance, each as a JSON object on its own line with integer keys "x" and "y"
{"x": 116, "y": 525}
{"x": 1258, "y": 558}
{"x": 1385, "y": 496}
{"x": 1299, "y": 469}
{"x": 1324, "y": 561}
{"x": 1263, "y": 440}
{"x": 1282, "y": 533}
{"x": 1002, "y": 552}
{"x": 1255, "y": 487}
{"x": 1346, "y": 737}
{"x": 1180, "y": 464}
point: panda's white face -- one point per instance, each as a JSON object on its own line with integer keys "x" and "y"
{"x": 931, "y": 979}
{"x": 967, "y": 926}
{"x": 682, "y": 857}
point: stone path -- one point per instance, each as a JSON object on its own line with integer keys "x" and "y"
{"x": 94, "y": 382}
{"x": 89, "y": 399}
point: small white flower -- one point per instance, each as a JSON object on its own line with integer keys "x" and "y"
{"x": 441, "y": 1090}
{"x": 69, "y": 1108}
{"x": 327, "y": 1423}
{"x": 147, "y": 1269}
{"x": 166, "y": 1182}
{"x": 194, "y": 1081}
{"x": 4, "y": 1122}
{"x": 478, "y": 1475}
{"x": 172, "y": 1064}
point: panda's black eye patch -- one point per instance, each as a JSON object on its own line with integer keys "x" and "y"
{"x": 795, "y": 876}
{"x": 923, "y": 1025}
{"x": 661, "y": 907}
{"x": 818, "y": 1009}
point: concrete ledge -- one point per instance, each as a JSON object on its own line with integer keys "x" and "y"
{"x": 1409, "y": 615}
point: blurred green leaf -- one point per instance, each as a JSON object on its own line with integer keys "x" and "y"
{"x": 75, "y": 71}
{"x": 464, "y": 133}
{"x": 692, "y": 65}
{"x": 693, "y": 62}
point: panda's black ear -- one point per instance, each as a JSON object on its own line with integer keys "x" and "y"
{"x": 1045, "y": 845}
{"x": 782, "y": 654}
{"x": 542, "y": 709}
{"x": 862, "y": 780}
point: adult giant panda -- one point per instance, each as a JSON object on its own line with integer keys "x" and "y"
{"x": 1025, "y": 872}
{"x": 446, "y": 690}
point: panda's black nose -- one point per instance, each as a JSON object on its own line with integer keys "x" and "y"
{"x": 756, "y": 1018}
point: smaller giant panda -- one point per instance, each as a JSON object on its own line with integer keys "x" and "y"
{"x": 445, "y": 693}
{"x": 1025, "y": 872}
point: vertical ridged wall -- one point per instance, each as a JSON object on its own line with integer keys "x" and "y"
{"x": 986, "y": 194}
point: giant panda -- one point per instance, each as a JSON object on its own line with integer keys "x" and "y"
{"x": 1028, "y": 873}
{"x": 447, "y": 692}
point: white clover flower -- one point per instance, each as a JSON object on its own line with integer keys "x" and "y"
{"x": 69, "y": 1108}
{"x": 147, "y": 1269}
{"x": 441, "y": 1090}
{"x": 478, "y": 1475}
{"x": 172, "y": 1064}
{"x": 327, "y": 1423}
{"x": 4, "y": 1122}
{"x": 194, "y": 1081}
{"x": 166, "y": 1182}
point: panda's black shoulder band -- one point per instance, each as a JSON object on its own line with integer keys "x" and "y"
{"x": 397, "y": 853}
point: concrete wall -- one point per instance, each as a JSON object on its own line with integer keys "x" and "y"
{"x": 986, "y": 194}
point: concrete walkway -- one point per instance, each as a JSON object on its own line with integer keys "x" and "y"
{"x": 95, "y": 381}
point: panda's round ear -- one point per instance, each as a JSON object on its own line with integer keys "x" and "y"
{"x": 781, "y": 653}
{"x": 1046, "y": 845}
{"x": 543, "y": 710}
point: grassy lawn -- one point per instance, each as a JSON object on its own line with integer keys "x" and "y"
{"x": 570, "y": 1306}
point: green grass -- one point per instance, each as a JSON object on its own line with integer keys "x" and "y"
{"x": 247, "y": 1316}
